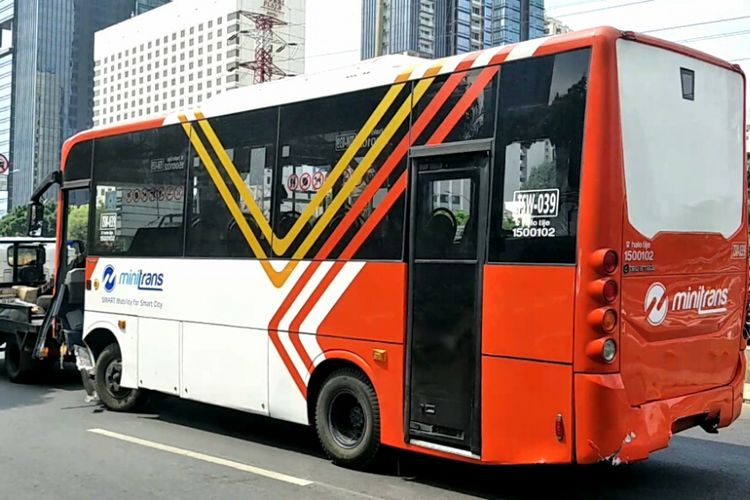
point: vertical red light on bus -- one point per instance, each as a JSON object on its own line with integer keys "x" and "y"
{"x": 605, "y": 261}
{"x": 604, "y": 319}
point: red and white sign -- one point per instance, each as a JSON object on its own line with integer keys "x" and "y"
{"x": 4, "y": 164}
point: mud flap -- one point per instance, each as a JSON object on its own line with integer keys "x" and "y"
{"x": 85, "y": 365}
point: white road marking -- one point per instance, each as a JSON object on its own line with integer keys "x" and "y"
{"x": 205, "y": 458}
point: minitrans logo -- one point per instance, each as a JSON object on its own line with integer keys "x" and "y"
{"x": 141, "y": 280}
{"x": 703, "y": 300}
{"x": 109, "y": 278}
{"x": 656, "y": 304}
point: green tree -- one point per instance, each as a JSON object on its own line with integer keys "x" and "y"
{"x": 542, "y": 176}
{"x": 78, "y": 222}
{"x": 15, "y": 222}
{"x": 461, "y": 217}
{"x": 50, "y": 220}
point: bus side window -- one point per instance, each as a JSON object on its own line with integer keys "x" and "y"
{"x": 139, "y": 183}
{"x": 325, "y": 163}
{"x": 244, "y": 166}
{"x": 536, "y": 193}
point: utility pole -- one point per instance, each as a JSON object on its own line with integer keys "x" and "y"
{"x": 265, "y": 38}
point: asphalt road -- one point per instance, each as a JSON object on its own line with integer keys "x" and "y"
{"x": 55, "y": 445}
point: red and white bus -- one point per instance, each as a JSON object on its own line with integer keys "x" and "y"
{"x": 533, "y": 253}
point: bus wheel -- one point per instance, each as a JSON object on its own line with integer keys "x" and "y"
{"x": 107, "y": 381}
{"x": 18, "y": 363}
{"x": 347, "y": 419}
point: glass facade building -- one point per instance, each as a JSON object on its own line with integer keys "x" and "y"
{"x": 439, "y": 28}
{"x": 6, "y": 93}
{"x": 54, "y": 60}
{"x": 516, "y": 20}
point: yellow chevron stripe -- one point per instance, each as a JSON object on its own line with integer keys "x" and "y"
{"x": 278, "y": 278}
{"x": 234, "y": 175}
{"x": 382, "y": 141}
{"x": 281, "y": 244}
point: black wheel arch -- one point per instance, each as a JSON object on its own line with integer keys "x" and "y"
{"x": 98, "y": 340}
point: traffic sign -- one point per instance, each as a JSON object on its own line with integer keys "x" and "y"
{"x": 4, "y": 164}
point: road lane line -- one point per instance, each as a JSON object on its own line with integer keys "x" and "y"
{"x": 203, "y": 457}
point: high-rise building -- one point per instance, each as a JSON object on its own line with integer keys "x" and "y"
{"x": 181, "y": 54}
{"x": 6, "y": 95}
{"x": 438, "y": 28}
{"x": 53, "y": 71}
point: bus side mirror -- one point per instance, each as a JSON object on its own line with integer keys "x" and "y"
{"x": 41, "y": 256}
{"x": 35, "y": 219}
{"x": 75, "y": 249}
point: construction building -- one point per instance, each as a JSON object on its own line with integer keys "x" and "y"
{"x": 180, "y": 54}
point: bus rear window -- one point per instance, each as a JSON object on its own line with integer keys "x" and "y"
{"x": 681, "y": 142}
{"x": 536, "y": 184}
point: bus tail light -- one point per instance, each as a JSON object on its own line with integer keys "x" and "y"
{"x": 604, "y": 289}
{"x": 609, "y": 320}
{"x": 603, "y": 349}
{"x": 604, "y": 318}
{"x": 609, "y": 292}
{"x": 609, "y": 350}
{"x": 605, "y": 261}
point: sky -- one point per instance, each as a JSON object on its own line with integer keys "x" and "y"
{"x": 333, "y": 32}
{"x": 334, "y": 26}
{"x": 333, "y": 36}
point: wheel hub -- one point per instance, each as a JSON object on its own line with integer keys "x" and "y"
{"x": 112, "y": 378}
{"x": 347, "y": 420}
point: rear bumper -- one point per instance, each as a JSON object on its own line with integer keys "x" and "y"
{"x": 608, "y": 428}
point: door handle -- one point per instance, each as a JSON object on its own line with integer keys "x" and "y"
{"x": 428, "y": 409}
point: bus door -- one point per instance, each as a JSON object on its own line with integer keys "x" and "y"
{"x": 71, "y": 248}
{"x": 447, "y": 241}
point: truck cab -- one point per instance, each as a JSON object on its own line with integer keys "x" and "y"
{"x": 41, "y": 298}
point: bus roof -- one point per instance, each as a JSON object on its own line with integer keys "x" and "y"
{"x": 376, "y": 72}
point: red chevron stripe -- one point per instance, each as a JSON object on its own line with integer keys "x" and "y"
{"x": 364, "y": 232}
{"x": 393, "y": 194}
{"x": 463, "y": 104}
{"x": 359, "y": 205}
{"x": 288, "y": 363}
{"x": 372, "y": 222}
{"x": 394, "y": 159}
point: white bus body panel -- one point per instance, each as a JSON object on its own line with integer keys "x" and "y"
{"x": 205, "y": 330}
{"x": 159, "y": 355}
{"x": 225, "y": 366}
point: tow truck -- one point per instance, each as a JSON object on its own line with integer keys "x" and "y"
{"x": 41, "y": 319}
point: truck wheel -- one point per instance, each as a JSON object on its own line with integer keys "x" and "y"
{"x": 107, "y": 381}
{"x": 347, "y": 419}
{"x": 19, "y": 366}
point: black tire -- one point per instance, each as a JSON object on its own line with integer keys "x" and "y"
{"x": 347, "y": 419}
{"x": 107, "y": 380}
{"x": 19, "y": 365}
